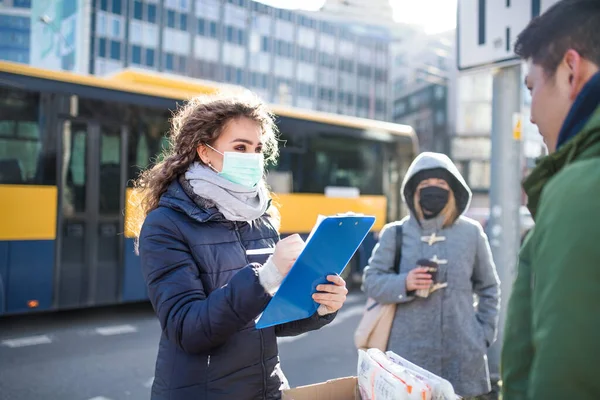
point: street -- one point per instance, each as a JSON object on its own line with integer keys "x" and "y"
{"x": 109, "y": 353}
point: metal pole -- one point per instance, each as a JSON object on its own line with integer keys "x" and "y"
{"x": 504, "y": 227}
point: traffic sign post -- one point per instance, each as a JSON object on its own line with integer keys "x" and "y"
{"x": 505, "y": 191}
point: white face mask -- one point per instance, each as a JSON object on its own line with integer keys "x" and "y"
{"x": 245, "y": 169}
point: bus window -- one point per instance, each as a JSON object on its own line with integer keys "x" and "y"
{"x": 343, "y": 162}
{"x": 20, "y": 142}
{"x": 147, "y": 140}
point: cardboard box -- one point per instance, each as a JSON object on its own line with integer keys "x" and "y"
{"x": 335, "y": 389}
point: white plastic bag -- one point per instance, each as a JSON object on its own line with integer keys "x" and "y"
{"x": 377, "y": 382}
{"x": 417, "y": 388}
{"x": 441, "y": 388}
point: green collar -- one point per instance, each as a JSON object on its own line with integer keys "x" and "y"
{"x": 585, "y": 144}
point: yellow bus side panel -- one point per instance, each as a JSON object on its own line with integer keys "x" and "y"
{"x": 28, "y": 212}
{"x": 299, "y": 211}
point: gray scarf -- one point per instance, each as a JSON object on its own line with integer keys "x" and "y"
{"x": 235, "y": 202}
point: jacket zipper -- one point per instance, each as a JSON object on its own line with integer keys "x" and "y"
{"x": 262, "y": 345}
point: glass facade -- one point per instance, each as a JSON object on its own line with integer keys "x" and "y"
{"x": 284, "y": 56}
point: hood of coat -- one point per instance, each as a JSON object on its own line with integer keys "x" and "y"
{"x": 423, "y": 166}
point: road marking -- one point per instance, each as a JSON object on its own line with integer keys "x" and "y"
{"x": 343, "y": 315}
{"x": 99, "y": 398}
{"x": 116, "y": 330}
{"x": 27, "y": 341}
{"x": 149, "y": 382}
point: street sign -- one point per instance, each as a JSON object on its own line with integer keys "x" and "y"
{"x": 487, "y": 29}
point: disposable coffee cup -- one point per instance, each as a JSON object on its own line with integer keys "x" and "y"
{"x": 432, "y": 268}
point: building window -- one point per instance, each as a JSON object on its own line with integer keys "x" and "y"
{"x": 152, "y": 13}
{"x": 150, "y": 57}
{"x": 104, "y": 5}
{"x": 22, "y": 3}
{"x": 182, "y": 64}
{"x": 171, "y": 18}
{"x": 102, "y": 47}
{"x": 136, "y": 54}
{"x": 283, "y": 14}
{"x": 380, "y": 75}
{"x": 138, "y": 10}
{"x": 115, "y": 50}
{"x": 116, "y": 28}
{"x": 259, "y": 80}
{"x": 306, "y": 90}
{"x": 117, "y": 7}
{"x": 328, "y": 28}
{"x": 307, "y": 55}
{"x": 169, "y": 62}
{"x": 212, "y": 29}
{"x": 364, "y": 70}
{"x": 201, "y": 27}
{"x": 265, "y": 44}
{"x": 284, "y": 49}
{"x": 229, "y": 74}
{"x": 183, "y": 22}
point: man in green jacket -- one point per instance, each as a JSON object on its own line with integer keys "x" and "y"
{"x": 551, "y": 346}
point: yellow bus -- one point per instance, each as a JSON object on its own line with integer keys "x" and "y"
{"x": 71, "y": 144}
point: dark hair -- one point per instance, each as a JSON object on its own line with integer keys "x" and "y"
{"x": 568, "y": 24}
{"x": 200, "y": 120}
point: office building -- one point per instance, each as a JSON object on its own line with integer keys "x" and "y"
{"x": 15, "y": 30}
{"x": 424, "y": 80}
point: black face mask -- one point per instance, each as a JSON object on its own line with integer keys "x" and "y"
{"x": 432, "y": 200}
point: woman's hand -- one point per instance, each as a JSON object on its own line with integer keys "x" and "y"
{"x": 332, "y": 296}
{"x": 286, "y": 252}
{"x": 418, "y": 278}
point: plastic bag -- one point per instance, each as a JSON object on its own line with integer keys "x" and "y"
{"x": 441, "y": 388}
{"x": 380, "y": 379}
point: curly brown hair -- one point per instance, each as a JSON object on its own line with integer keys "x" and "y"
{"x": 200, "y": 120}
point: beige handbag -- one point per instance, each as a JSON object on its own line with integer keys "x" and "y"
{"x": 373, "y": 331}
{"x": 374, "y": 328}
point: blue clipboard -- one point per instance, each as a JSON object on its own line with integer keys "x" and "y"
{"x": 327, "y": 252}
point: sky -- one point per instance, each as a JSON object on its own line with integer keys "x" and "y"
{"x": 406, "y": 11}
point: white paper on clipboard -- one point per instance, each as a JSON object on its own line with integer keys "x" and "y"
{"x": 320, "y": 219}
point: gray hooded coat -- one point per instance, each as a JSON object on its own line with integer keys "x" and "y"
{"x": 444, "y": 333}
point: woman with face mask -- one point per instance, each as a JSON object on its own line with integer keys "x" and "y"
{"x": 211, "y": 255}
{"x": 445, "y": 260}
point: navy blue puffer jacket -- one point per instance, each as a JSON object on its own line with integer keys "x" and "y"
{"x": 204, "y": 288}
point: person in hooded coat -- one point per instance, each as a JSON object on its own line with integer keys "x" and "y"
{"x": 442, "y": 331}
